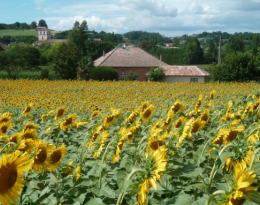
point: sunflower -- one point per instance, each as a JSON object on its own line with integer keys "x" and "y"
{"x": 147, "y": 113}
{"x": 168, "y": 121}
{"x": 69, "y": 121}
{"x": 80, "y": 124}
{"x": 145, "y": 105}
{"x": 109, "y": 120}
{"x": 4, "y": 139}
{"x": 245, "y": 162}
{"x": 94, "y": 114}
{"x": 131, "y": 118}
{"x": 177, "y": 106}
{"x": 30, "y": 126}
{"x": 28, "y": 134}
{"x": 60, "y": 112}
{"x": 199, "y": 102}
{"x": 253, "y": 138}
{"x": 242, "y": 181}
{"x": 157, "y": 162}
{"x": 69, "y": 168}
{"x": 39, "y": 163}
{"x": 6, "y": 119}
{"x": 104, "y": 135}
{"x": 196, "y": 126}
{"x": 12, "y": 167}
{"x": 205, "y": 116}
{"x": 45, "y": 117}
{"x": 4, "y": 127}
{"x": 227, "y": 135}
{"x": 56, "y": 157}
{"x": 15, "y": 138}
{"x": 8, "y": 114}
{"x": 247, "y": 110}
{"x": 26, "y": 145}
{"x": 178, "y": 123}
{"x": 124, "y": 133}
{"x": 211, "y": 95}
{"x": 27, "y": 110}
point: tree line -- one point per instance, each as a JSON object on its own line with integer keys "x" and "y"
{"x": 25, "y": 26}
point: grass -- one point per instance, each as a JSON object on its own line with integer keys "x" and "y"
{"x": 32, "y": 72}
{"x": 12, "y": 32}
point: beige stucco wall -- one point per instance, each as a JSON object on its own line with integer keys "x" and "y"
{"x": 174, "y": 79}
{"x": 44, "y": 35}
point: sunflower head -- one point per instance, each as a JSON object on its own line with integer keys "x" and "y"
{"x": 6, "y": 119}
{"x": 26, "y": 145}
{"x": 12, "y": 167}
{"x": 178, "y": 123}
{"x": 109, "y": 120}
{"x": 205, "y": 116}
{"x": 30, "y": 126}
{"x": 27, "y": 110}
{"x": 211, "y": 95}
{"x": 28, "y": 134}
{"x": 145, "y": 105}
{"x": 95, "y": 114}
{"x": 56, "y": 157}
{"x": 4, "y": 127}
{"x": 69, "y": 168}
{"x": 69, "y": 121}
{"x": 147, "y": 113}
{"x": 177, "y": 106}
{"x": 60, "y": 112}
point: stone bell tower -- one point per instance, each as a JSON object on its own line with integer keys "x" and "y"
{"x": 44, "y": 34}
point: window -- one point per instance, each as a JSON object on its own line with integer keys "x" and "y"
{"x": 194, "y": 80}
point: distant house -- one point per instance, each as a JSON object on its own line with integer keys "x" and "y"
{"x": 184, "y": 74}
{"x": 97, "y": 39}
{"x": 169, "y": 44}
{"x": 44, "y": 35}
{"x": 128, "y": 58}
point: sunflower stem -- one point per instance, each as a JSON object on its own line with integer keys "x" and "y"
{"x": 10, "y": 143}
{"x": 253, "y": 158}
{"x": 214, "y": 195}
{"x": 204, "y": 148}
{"x": 102, "y": 162}
{"x": 121, "y": 196}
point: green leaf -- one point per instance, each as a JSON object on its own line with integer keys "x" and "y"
{"x": 120, "y": 178}
{"x": 252, "y": 196}
{"x": 106, "y": 191}
{"x": 185, "y": 169}
{"x": 95, "y": 201}
{"x": 200, "y": 201}
{"x": 81, "y": 198}
{"x": 194, "y": 173}
{"x": 214, "y": 154}
{"x": 184, "y": 199}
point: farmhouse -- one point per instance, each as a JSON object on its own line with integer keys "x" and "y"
{"x": 184, "y": 74}
{"x": 128, "y": 58}
{"x": 44, "y": 35}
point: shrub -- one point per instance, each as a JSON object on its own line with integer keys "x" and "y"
{"x": 45, "y": 73}
{"x": 156, "y": 74}
{"x": 103, "y": 73}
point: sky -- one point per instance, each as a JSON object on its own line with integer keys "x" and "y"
{"x": 168, "y": 17}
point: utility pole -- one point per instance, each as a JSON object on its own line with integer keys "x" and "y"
{"x": 219, "y": 51}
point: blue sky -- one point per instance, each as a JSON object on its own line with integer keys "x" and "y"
{"x": 169, "y": 17}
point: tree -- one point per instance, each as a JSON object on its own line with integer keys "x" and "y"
{"x": 1, "y": 48}
{"x": 144, "y": 44}
{"x": 79, "y": 34}
{"x": 255, "y": 44}
{"x": 85, "y": 64}
{"x": 18, "y": 58}
{"x": 193, "y": 53}
{"x": 211, "y": 55}
{"x": 156, "y": 74}
{"x": 237, "y": 67}
{"x": 33, "y": 25}
{"x": 42, "y": 23}
{"x": 65, "y": 61}
{"x": 235, "y": 44}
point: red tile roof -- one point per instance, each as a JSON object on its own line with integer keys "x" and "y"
{"x": 184, "y": 71}
{"x": 128, "y": 57}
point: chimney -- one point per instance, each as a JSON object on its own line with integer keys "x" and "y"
{"x": 104, "y": 53}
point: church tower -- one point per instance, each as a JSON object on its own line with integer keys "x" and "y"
{"x": 44, "y": 34}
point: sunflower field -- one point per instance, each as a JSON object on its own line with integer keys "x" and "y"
{"x": 97, "y": 143}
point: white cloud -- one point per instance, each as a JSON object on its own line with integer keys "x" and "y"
{"x": 154, "y": 7}
{"x": 168, "y": 17}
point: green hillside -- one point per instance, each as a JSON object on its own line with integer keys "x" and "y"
{"x": 10, "y": 32}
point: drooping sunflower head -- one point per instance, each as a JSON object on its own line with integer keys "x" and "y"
{"x": 69, "y": 168}
{"x": 4, "y": 127}
{"x": 30, "y": 126}
{"x": 177, "y": 106}
{"x": 109, "y": 120}
{"x": 15, "y": 138}
{"x": 39, "y": 162}
{"x": 69, "y": 121}
{"x": 60, "y": 112}
{"x": 12, "y": 167}
{"x": 131, "y": 118}
{"x": 231, "y": 134}
{"x": 196, "y": 126}
{"x": 27, "y": 110}
{"x": 56, "y": 157}
{"x": 147, "y": 113}
{"x": 199, "y": 102}
{"x": 253, "y": 138}
{"x": 211, "y": 95}
{"x": 178, "y": 123}
{"x": 205, "y": 116}
{"x": 45, "y": 117}
{"x": 95, "y": 114}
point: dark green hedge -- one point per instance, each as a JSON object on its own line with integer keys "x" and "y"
{"x": 103, "y": 73}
